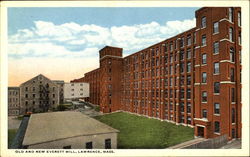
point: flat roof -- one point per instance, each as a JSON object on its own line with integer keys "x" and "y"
{"x": 45, "y": 127}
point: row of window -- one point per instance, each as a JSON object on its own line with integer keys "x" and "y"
{"x": 41, "y": 95}
{"x": 13, "y": 93}
{"x": 89, "y": 145}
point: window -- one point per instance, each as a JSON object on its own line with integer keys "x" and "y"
{"x": 67, "y": 147}
{"x": 108, "y": 143}
{"x": 171, "y": 46}
{"x": 203, "y": 22}
{"x": 188, "y": 119}
{"x": 216, "y": 68}
{"x": 232, "y": 54}
{"x": 189, "y": 40}
{"x": 188, "y": 107}
{"x": 204, "y": 40}
{"x": 233, "y": 115}
{"x": 26, "y": 95}
{"x": 232, "y": 95}
{"x": 217, "y": 127}
{"x": 204, "y": 58}
{"x": 181, "y": 55}
{"x": 217, "y": 87}
{"x": 188, "y": 93}
{"x": 194, "y": 38}
{"x": 182, "y": 93}
{"x": 188, "y": 53}
{"x": 231, "y": 34}
{"x": 239, "y": 18}
{"x": 182, "y": 106}
{"x": 204, "y": 77}
{"x": 204, "y": 113}
{"x": 189, "y": 80}
{"x": 34, "y": 95}
{"x": 230, "y": 16}
{"x": 239, "y": 38}
{"x": 182, "y": 67}
{"x": 232, "y": 74}
{"x": 216, "y": 108}
{"x": 204, "y": 96}
{"x": 216, "y": 47}
{"x": 89, "y": 145}
{"x": 189, "y": 67}
{"x": 216, "y": 27}
{"x": 182, "y": 42}
{"x": 26, "y": 88}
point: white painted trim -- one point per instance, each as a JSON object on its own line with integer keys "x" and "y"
{"x": 196, "y": 47}
{"x": 225, "y": 19}
{"x": 216, "y": 33}
{"x": 201, "y": 119}
{"x": 216, "y": 133}
{"x": 226, "y": 61}
{"x": 110, "y": 56}
{"x": 196, "y": 84}
{"x": 197, "y": 29}
{"x": 197, "y": 65}
{"x": 200, "y": 125}
{"x": 227, "y": 82}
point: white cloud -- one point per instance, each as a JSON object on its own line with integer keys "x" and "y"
{"x": 74, "y": 40}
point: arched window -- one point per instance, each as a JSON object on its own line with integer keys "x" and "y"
{"x": 230, "y": 14}
{"x": 232, "y": 56}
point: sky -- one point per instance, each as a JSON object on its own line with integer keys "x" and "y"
{"x": 63, "y": 43}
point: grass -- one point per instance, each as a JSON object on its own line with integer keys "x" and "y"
{"x": 141, "y": 132}
{"x": 11, "y": 136}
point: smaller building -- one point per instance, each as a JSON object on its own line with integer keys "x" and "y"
{"x": 68, "y": 130}
{"x": 76, "y": 90}
{"x": 13, "y": 101}
{"x": 60, "y": 84}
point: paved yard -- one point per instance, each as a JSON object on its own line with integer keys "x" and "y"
{"x": 13, "y": 122}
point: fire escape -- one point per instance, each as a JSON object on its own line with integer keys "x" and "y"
{"x": 44, "y": 97}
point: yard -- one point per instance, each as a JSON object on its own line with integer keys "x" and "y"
{"x": 141, "y": 132}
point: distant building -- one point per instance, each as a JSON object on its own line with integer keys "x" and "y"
{"x": 68, "y": 130}
{"x": 60, "y": 84}
{"x": 76, "y": 90}
{"x": 38, "y": 94}
{"x": 13, "y": 101}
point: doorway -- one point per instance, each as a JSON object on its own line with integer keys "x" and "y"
{"x": 200, "y": 131}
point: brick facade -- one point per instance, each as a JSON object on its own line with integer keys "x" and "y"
{"x": 192, "y": 79}
{"x": 13, "y": 101}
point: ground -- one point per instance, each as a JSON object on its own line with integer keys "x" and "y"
{"x": 13, "y": 125}
{"x": 141, "y": 132}
{"x": 11, "y": 136}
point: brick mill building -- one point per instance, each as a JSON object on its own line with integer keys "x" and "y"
{"x": 193, "y": 78}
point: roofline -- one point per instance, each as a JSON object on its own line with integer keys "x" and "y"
{"x": 107, "y": 46}
{"x": 35, "y": 77}
{"x": 115, "y": 131}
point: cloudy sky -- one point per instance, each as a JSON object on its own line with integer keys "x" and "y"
{"x": 63, "y": 43}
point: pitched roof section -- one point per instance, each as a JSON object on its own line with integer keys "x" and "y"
{"x": 52, "y": 126}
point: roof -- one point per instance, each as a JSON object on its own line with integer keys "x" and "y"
{"x": 44, "y": 127}
{"x": 13, "y": 88}
{"x": 58, "y": 81}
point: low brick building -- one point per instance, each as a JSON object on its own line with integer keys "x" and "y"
{"x": 68, "y": 130}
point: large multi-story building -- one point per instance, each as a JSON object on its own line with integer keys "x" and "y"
{"x": 13, "y": 101}
{"x": 193, "y": 78}
{"x": 38, "y": 94}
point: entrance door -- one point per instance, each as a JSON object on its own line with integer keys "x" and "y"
{"x": 200, "y": 131}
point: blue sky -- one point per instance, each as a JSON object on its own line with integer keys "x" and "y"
{"x": 53, "y": 41}
{"x": 21, "y": 18}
